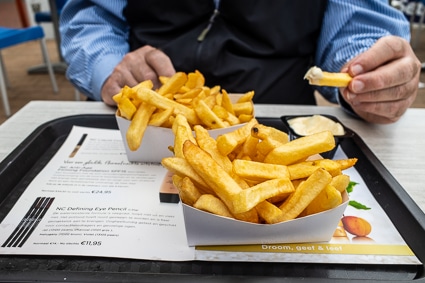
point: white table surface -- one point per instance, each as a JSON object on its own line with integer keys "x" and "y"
{"x": 399, "y": 146}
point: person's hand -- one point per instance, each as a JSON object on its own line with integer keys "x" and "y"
{"x": 145, "y": 63}
{"x": 385, "y": 80}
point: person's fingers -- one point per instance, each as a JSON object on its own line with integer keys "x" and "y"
{"x": 382, "y": 112}
{"x": 160, "y": 65}
{"x": 386, "y": 49}
{"x": 380, "y": 86}
{"x": 160, "y": 62}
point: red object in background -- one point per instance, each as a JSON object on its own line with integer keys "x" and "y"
{"x": 23, "y": 16}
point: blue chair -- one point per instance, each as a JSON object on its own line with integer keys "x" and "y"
{"x": 14, "y": 36}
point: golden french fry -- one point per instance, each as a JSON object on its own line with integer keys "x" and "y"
{"x": 266, "y": 146}
{"x": 247, "y": 97}
{"x": 163, "y": 79}
{"x": 327, "y": 199}
{"x": 192, "y": 93}
{"x": 269, "y": 212}
{"x": 173, "y": 84}
{"x": 138, "y": 126}
{"x": 347, "y": 163}
{"x": 301, "y": 170}
{"x": 226, "y": 143}
{"x": 212, "y": 204}
{"x": 151, "y": 97}
{"x": 188, "y": 192}
{"x": 258, "y": 171}
{"x": 248, "y": 148}
{"x": 266, "y": 132}
{"x": 209, "y": 144}
{"x": 244, "y": 118}
{"x": 214, "y": 90}
{"x": 305, "y": 193}
{"x": 182, "y": 168}
{"x": 146, "y": 84}
{"x": 227, "y": 103}
{"x": 333, "y": 167}
{"x": 220, "y": 111}
{"x": 316, "y": 76}
{"x": 181, "y": 120}
{"x": 180, "y": 136}
{"x": 195, "y": 80}
{"x": 341, "y": 182}
{"x": 207, "y": 116}
{"x": 160, "y": 117}
{"x": 126, "y": 108}
{"x": 213, "y": 174}
{"x": 233, "y": 120}
{"x": 247, "y": 199}
{"x": 301, "y": 148}
{"x": 243, "y": 108}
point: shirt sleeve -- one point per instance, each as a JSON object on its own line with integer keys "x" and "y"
{"x": 349, "y": 28}
{"x": 94, "y": 39}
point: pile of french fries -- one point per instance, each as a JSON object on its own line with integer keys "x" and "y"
{"x": 254, "y": 173}
{"x": 182, "y": 94}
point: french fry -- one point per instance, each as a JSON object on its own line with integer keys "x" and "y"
{"x": 301, "y": 170}
{"x": 301, "y": 148}
{"x": 247, "y": 199}
{"x": 181, "y": 135}
{"x": 160, "y": 117}
{"x": 173, "y": 84}
{"x": 270, "y": 213}
{"x": 181, "y": 120}
{"x": 226, "y": 143}
{"x": 340, "y": 182}
{"x": 347, "y": 163}
{"x": 305, "y": 193}
{"x": 188, "y": 192}
{"x": 195, "y": 80}
{"x": 216, "y": 177}
{"x": 316, "y": 76}
{"x": 151, "y": 97}
{"x": 227, "y": 103}
{"x": 138, "y": 126}
{"x": 243, "y": 108}
{"x": 209, "y": 144}
{"x": 126, "y": 108}
{"x": 212, "y": 204}
{"x": 208, "y": 117}
{"x": 327, "y": 199}
{"x": 182, "y": 168}
{"x": 247, "y": 97}
{"x": 258, "y": 171}
{"x": 266, "y": 132}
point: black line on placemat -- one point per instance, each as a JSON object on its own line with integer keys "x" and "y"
{"x": 29, "y": 222}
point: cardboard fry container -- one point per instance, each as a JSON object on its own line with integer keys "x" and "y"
{"x": 203, "y": 228}
{"x": 156, "y": 141}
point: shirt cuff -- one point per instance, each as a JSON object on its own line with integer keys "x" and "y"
{"x": 102, "y": 71}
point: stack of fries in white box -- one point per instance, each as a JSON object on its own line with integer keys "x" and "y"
{"x": 183, "y": 94}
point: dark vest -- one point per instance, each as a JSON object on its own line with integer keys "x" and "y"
{"x": 261, "y": 45}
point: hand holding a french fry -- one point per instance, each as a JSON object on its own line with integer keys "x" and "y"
{"x": 386, "y": 79}
{"x": 380, "y": 83}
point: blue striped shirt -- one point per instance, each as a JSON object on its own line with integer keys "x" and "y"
{"x": 94, "y": 37}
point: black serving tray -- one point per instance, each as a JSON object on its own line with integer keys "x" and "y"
{"x": 28, "y": 159}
